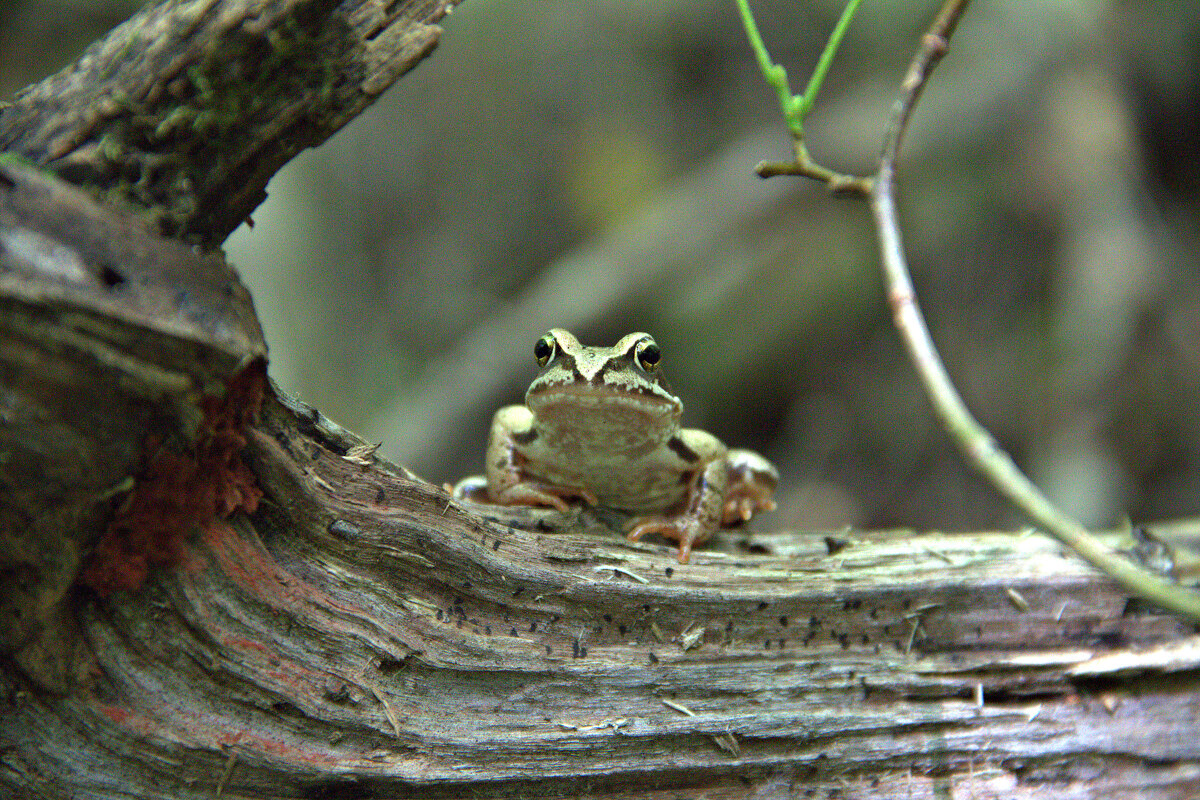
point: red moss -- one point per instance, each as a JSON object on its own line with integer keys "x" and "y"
{"x": 178, "y": 493}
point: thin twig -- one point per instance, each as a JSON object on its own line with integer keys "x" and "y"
{"x": 223, "y": 781}
{"x": 795, "y": 107}
{"x": 774, "y": 74}
{"x": 976, "y": 443}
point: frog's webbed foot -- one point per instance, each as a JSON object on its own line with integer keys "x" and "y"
{"x": 536, "y": 493}
{"x": 687, "y": 530}
{"x": 750, "y": 486}
{"x": 742, "y": 502}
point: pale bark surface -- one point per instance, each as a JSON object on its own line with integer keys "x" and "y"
{"x": 316, "y": 622}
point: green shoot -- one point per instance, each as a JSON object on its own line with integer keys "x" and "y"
{"x": 795, "y": 107}
{"x": 831, "y": 48}
{"x": 774, "y": 74}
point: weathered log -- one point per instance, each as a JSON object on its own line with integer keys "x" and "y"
{"x": 209, "y": 589}
{"x": 356, "y": 632}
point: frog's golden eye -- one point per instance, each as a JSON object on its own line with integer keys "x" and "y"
{"x": 543, "y": 350}
{"x": 647, "y": 354}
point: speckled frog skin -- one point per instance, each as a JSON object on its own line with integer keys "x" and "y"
{"x": 600, "y": 425}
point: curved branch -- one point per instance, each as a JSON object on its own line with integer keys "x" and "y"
{"x": 977, "y": 445}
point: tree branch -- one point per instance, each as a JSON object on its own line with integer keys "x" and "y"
{"x": 977, "y": 445}
{"x": 187, "y": 109}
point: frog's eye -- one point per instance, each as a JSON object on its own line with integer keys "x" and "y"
{"x": 647, "y": 354}
{"x": 543, "y": 350}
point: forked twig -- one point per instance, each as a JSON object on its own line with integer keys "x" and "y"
{"x": 979, "y": 447}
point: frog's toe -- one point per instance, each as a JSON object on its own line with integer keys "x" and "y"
{"x": 584, "y": 494}
{"x": 738, "y": 509}
{"x": 686, "y": 532}
{"x": 744, "y": 501}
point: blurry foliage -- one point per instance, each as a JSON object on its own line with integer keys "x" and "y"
{"x": 608, "y": 171}
{"x": 38, "y": 37}
{"x": 1050, "y": 195}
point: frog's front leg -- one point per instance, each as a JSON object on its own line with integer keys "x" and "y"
{"x": 700, "y": 516}
{"x": 512, "y": 435}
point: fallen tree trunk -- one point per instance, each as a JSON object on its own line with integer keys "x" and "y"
{"x": 210, "y": 589}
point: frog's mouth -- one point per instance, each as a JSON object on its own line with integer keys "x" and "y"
{"x": 592, "y": 396}
{"x": 598, "y": 405}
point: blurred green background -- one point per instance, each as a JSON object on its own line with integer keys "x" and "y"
{"x": 589, "y": 165}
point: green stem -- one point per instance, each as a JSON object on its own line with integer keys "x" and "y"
{"x": 796, "y": 107}
{"x": 774, "y": 74}
{"x": 831, "y": 48}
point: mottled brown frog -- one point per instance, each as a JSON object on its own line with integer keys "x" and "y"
{"x": 600, "y": 425}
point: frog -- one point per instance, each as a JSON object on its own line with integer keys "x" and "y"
{"x": 600, "y": 426}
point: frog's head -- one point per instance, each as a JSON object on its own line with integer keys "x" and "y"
{"x": 621, "y": 386}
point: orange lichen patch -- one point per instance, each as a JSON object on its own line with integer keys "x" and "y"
{"x": 245, "y": 562}
{"x": 178, "y": 493}
{"x": 184, "y": 725}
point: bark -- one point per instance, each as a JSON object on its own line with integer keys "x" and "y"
{"x": 211, "y": 590}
